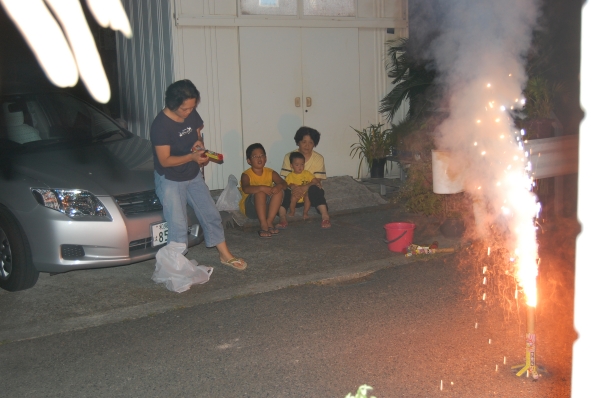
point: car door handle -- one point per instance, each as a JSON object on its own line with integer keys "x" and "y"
{"x": 308, "y": 102}
{"x": 298, "y": 102}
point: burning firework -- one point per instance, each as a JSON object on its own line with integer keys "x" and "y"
{"x": 478, "y": 55}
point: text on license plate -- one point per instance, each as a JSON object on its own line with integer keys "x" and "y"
{"x": 160, "y": 234}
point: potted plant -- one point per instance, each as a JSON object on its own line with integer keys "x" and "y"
{"x": 374, "y": 144}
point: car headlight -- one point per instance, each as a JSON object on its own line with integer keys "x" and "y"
{"x": 75, "y": 203}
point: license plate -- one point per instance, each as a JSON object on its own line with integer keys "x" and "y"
{"x": 160, "y": 233}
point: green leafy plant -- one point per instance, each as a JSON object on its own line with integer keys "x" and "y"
{"x": 541, "y": 97}
{"x": 412, "y": 79}
{"x": 537, "y": 116}
{"x": 417, "y": 192}
{"x": 374, "y": 142}
{"x": 361, "y": 392}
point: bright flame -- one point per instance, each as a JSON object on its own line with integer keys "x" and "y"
{"x": 45, "y": 38}
{"x": 507, "y": 184}
{"x": 110, "y": 13}
{"x": 523, "y": 207}
{"x": 68, "y": 51}
{"x": 70, "y": 15}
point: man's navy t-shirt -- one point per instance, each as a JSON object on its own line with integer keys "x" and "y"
{"x": 180, "y": 137}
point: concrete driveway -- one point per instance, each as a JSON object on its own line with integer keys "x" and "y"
{"x": 301, "y": 254}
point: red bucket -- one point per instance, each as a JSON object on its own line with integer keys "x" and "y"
{"x": 399, "y": 235}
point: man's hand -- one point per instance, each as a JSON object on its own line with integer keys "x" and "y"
{"x": 197, "y": 146}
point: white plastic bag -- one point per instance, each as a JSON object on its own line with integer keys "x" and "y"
{"x": 177, "y": 272}
{"x": 229, "y": 200}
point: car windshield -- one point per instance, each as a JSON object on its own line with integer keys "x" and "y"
{"x": 45, "y": 120}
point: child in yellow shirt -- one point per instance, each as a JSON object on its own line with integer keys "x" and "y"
{"x": 299, "y": 177}
{"x": 262, "y": 191}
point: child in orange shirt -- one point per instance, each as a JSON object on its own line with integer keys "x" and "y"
{"x": 262, "y": 191}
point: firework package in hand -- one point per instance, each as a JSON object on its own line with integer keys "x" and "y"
{"x": 212, "y": 156}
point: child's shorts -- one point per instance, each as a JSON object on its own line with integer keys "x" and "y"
{"x": 251, "y": 208}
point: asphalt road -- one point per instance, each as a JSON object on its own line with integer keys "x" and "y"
{"x": 407, "y": 330}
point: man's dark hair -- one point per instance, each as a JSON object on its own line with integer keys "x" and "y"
{"x": 180, "y": 91}
{"x": 296, "y": 155}
{"x": 302, "y": 131}
{"x": 252, "y": 147}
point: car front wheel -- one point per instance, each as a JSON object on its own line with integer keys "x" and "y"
{"x": 17, "y": 271}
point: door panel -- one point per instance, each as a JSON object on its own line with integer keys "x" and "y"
{"x": 318, "y": 66}
{"x": 330, "y": 70}
{"x": 271, "y": 74}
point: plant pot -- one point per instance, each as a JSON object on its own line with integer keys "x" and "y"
{"x": 453, "y": 228}
{"x": 378, "y": 168}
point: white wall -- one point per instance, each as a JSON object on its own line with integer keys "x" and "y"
{"x": 587, "y": 347}
{"x": 209, "y": 57}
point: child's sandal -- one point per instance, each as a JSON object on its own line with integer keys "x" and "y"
{"x": 264, "y": 234}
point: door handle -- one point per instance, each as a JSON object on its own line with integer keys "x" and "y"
{"x": 298, "y": 102}
{"x": 308, "y": 102}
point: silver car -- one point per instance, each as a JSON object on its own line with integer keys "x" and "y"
{"x": 76, "y": 190}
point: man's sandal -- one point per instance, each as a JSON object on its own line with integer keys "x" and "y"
{"x": 273, "y": 231}
{"x": 235, "y": 263}
{"x": 264, "y": 234}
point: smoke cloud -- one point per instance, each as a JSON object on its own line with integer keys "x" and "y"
{"x": 478, "y": 51}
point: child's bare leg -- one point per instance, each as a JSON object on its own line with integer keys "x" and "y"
{"x": 260, "y": 203}
{"x": 293, "y": 203}
{"x": 274, "y": 206}
{"x": 306, "y": 207}
{"x": 292, "y": 210}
